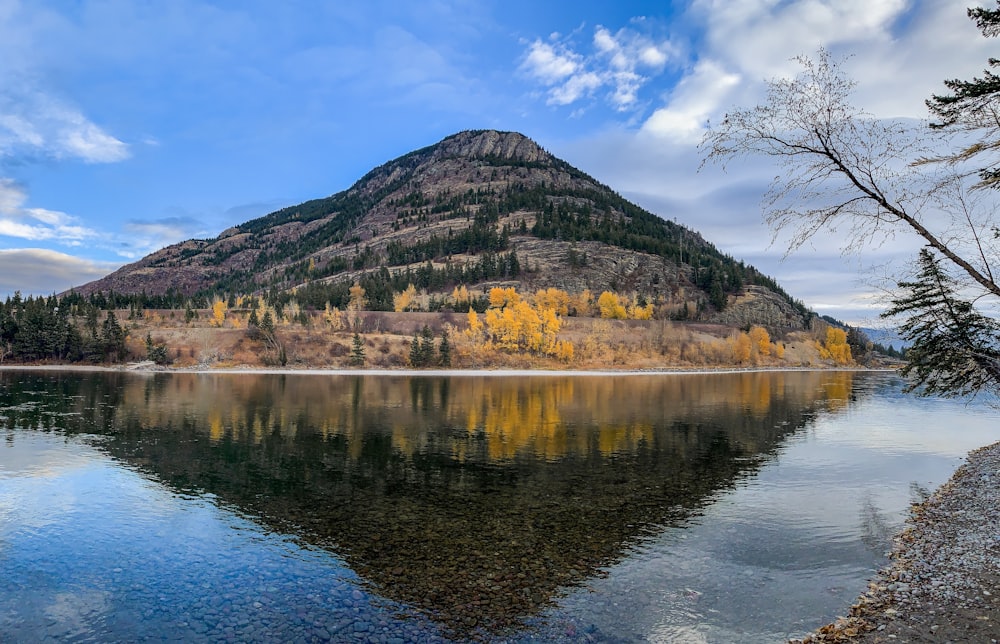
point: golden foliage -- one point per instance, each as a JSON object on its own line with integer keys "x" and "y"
{"x": 475, "y": 329}
{"x": 503, "y": 297}
{"x": 740, "y": 347}
{"x": 611, "y": 307}
{"x": 836, "y": 347}
{"x": 218, "y": 312}
{"x": 760, "y": 340}
{"x": 513, "y": 325}
{"x": 405, "y": 300}
{"x": 358, "y": 301}
{"x": 334, "y": 317}
{"x": 460, "y": 294}
{"x": 552, "y": 298}
{"x": 564, "y": 350}
{"x": 583, "y": 303}
{"x": 637, "y": 312}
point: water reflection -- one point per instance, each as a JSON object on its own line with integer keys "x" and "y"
{"x": 475, "y": 499}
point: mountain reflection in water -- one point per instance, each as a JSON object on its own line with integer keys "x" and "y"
{"x": 474, "y": 499}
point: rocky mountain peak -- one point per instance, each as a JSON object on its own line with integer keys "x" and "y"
{"x": 492, "y": 143}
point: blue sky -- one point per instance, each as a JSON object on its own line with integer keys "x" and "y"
{"x": 126, "y": 126}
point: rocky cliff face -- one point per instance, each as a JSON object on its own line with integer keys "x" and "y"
{"x": 502, "y": 145}
{"x": 480, "y": 208}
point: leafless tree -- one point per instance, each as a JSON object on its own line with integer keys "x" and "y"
{"x": 844, "y": 170}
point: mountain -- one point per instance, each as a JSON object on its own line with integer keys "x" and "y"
{"x": 479, "y": 208}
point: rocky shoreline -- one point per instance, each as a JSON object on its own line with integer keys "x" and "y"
{"x": 942, "y": 582}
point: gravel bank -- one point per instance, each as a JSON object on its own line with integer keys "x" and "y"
{"x": 943, "y": 584}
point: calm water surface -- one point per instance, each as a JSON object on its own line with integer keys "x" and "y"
{"x": 248, "y": 507}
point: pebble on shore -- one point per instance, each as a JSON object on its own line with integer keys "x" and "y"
{"x": 942, "y": 582}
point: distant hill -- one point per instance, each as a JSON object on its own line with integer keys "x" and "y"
{"x": 480, "y": 208}
{"x": 885, "y": 337}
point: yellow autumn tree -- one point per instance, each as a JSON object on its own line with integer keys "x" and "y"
{"x": 740, "y": 347}
{"x": 218, "y": 312}
{"x": 475, "y": 329}
{"x": 404, "y": 300}
{"x": 513, "y": 325}
{"x": 640, "y": 312}
{"x": 564, "y": 350}
{"x": 357, "y": 301}
{"x": 760, "y": 340}
{"x": 460, "y": 295}
{"x": 334, "y": 317}
{"x": 611, "y": 307}
{"x": 836, "y": 347}
{"x": 503, "y": 297}
{"x": 582, "y": 304}
{"x": 552, "y": 298}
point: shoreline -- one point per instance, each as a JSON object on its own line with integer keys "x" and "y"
{"x": 943, "y": 580}
{"x": 151, "y": 368}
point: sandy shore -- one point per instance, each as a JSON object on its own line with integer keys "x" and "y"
{"x": 144, "y": 367}
{"x": 942, "y": 582}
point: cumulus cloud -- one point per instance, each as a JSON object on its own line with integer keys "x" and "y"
{"x": 621, "y": 63}
{"x": 693, "y": 101}
{"x": 898, "y": 52}
{"x": 548, "y": 65}
{"x": 40, "y": 271}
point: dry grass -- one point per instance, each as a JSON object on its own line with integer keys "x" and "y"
{"x": 598, "y": 343}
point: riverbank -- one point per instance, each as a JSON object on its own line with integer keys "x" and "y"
{"x": 151, "y": 367}
{"x": 943, "y": 582}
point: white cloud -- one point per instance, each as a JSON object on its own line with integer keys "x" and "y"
{"x": 693, "y": 101}
{"x": 40, "y": 271}
{"x": 34, "y": 119}
{"x": 899, "y": 52}
{"x": 614, "y": 64}
{"x": 86, "y": 141}
{"x": 575, "y": 88}
{"x": 33, "y": 123}
{"x": 547, "y": 65}
{"x": 36, "y": 223}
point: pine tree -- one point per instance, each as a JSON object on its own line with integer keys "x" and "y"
{"x": 426, "y": 347}
{"x": 267, "y": 324}
{"x": 113, "y": 337}
{"x": 954, "y": 349}
{"x": 972, "y": 105}
{"x": 444, "y": 349}
{"x": 415, "y": 360}
{"x": 357, "y": 351}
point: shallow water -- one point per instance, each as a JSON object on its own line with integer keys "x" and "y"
{"x": 701, "y": 508}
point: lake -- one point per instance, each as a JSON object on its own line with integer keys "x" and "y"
{"x": 745, "y": 507}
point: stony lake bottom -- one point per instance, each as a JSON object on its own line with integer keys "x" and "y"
{"x": 746, "y": 507}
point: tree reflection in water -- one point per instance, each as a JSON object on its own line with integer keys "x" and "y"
{"x": 475, "y": 499}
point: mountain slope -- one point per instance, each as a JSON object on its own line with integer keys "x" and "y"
{"x": 479, "y": 208}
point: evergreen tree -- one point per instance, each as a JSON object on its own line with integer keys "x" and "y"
{"x": 113, "y": 338}
{"x": 357, "y": 351}
{"x": 972, "y": 105}
{"x": 444, "y": 349}
{"x": 415, "y": 360}
{"x": 426, "y": 347}
{"x": 267, "y": 324}
{"x": 155, "y": 351}
{"x": 954, "y": 349}
{"x": 253, "y": 320}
